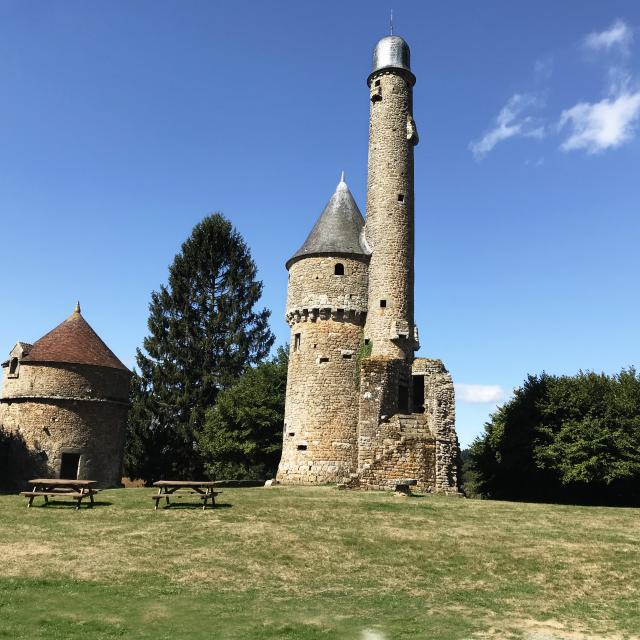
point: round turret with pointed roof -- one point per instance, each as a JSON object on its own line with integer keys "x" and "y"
{"x": 338, "y": 230}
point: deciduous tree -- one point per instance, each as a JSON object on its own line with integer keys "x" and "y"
{"x": 242, "y": 437}
{"x": 563, "y": 438}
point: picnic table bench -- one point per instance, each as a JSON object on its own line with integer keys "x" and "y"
{"x": 403, "y": 486}
{"x": 46, "y": 488}
{"x": 202, "y": 489}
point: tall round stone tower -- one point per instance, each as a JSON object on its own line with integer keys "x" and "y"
{"x": 326, "y": 309}
{"x": 388, "y": 386}
{"x": 67, "y": 397}
{"x": 389, "y": 228}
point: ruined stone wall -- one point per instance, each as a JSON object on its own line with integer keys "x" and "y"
{"x": 378, "y": 401}
{"x": 440, "y": 411}
{"x": 65, "y": 408}
{"x": 403, "y": 448}
{"x": 395, "y": 446}
{"x": 93, "y": 429}
{"x": 389, "y": 226}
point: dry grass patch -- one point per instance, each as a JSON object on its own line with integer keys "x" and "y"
{"x": 313, "y": 563}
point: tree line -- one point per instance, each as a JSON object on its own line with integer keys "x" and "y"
{"x": 562, "y": 439}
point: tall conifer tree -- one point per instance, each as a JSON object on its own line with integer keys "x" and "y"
{"x": 203, "y": 333}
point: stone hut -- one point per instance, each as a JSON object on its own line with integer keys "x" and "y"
{"x": 67, "y": 397}
{"x": 361, "y": 409}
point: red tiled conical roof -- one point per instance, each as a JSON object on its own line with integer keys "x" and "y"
{"x": 73, "y": 341}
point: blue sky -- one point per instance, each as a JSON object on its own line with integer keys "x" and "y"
{"x": 123, "y": 123}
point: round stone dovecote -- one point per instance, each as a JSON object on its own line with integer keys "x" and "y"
{"x": 67, "y": 397}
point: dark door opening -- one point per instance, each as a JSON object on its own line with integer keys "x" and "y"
{"x": 403, "y": 399}
{"x": 418, "y": 394}
{"x": 69, "y": 466}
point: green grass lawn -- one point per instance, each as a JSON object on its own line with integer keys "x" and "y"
{"x": 311, "y": 563}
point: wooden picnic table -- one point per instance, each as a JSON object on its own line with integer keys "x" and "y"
{"x": 202, "y": 489}
{"x": 47, "y": 488}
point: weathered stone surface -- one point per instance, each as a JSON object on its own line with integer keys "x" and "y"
{"x": 51, "y": 427}
{"x": 389, "y": 225}
{"x": 440, "y": 408}
{"x": 313, "y": 286}
{"x": 319, "y": 438}
{"x": 326, "y": 313}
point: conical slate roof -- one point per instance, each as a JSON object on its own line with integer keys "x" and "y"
{"x": 73, "y": 341}
{"x": 338, "y": 229}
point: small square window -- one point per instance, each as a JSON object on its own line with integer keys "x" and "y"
{"x": 376, "y": 83}
{"x": 401, "y": 197}
{"x": 323, "y": 360}
{"x": 383, "y": 304}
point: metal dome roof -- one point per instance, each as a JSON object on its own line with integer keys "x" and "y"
{"x": 392, "y": 52}
{"x": 338, "y": 229}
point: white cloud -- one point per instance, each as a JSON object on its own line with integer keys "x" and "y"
{"x": 510, "y": 122}
{"x": 479, "y": 393}
{"x": 597, "y": 126}
{"x": 619, "y": 35}
{"x": 601, "y": 125}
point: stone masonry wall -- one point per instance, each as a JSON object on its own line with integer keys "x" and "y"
{"x": 378, "y": 401}
{"x": 319, "y": 438}
{"x": 389, "y": 226}
{"x": 314, "y": 285}
{"x": 326, "y": 313}
{"x": 95, "y": 430}
{"x": 440, "y": 411}
{"x": 404, "y": 449}
{"x": 67, "y": 380}
{"x": 66, "y": 408}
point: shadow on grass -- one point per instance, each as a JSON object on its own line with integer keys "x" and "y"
{"x": 58, "y": 502}
{"x": 195, "y": 505}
